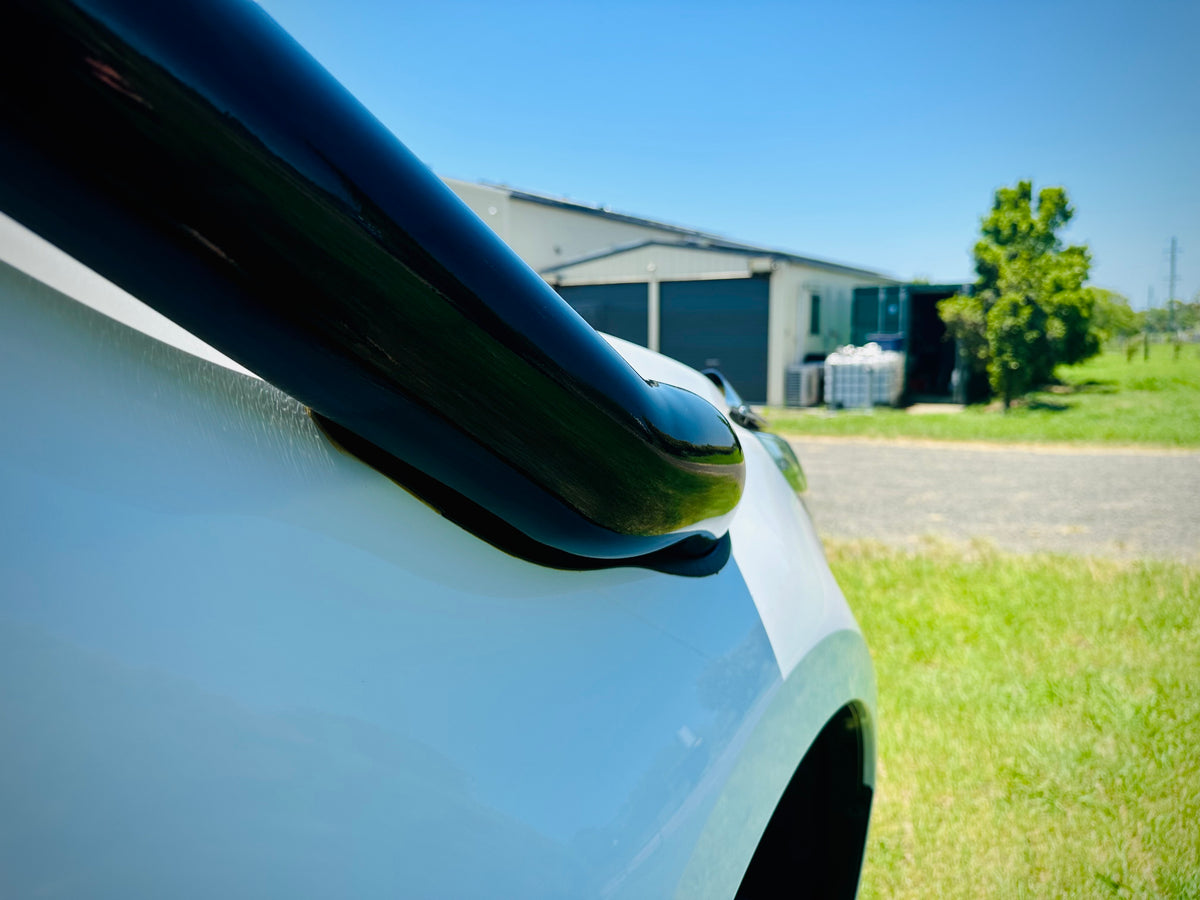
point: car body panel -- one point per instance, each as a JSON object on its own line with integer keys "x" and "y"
{"x": 238, "y": 661}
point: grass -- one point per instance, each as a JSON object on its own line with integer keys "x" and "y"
{"x": 1105, "y": 400}
{"x": 1039, "y": 722}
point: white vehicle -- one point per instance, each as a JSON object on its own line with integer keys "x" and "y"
{"x": 341, "y": 557}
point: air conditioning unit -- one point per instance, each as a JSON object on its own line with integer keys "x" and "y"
{"x": 802, "y": 384}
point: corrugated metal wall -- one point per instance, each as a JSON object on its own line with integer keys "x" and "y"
{"x": 616, "y": 309}
{"x": 721, "y": 323}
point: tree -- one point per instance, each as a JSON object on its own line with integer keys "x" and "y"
{"x": 1175, "y": 315}
{"x": 1018, "y": 346}
{"x": 1113, "y": 317}
{"x": 1029, "y": 311}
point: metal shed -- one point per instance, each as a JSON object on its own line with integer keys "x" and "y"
{"x": 703, "y": 299}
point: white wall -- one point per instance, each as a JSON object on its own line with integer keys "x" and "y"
{"x": 489, "y": 203}
{"x": 654, "y": 261}
{"x": 545, "y": 235}
{"x": 835, "y": 291}
{"x": 792, "y": 288}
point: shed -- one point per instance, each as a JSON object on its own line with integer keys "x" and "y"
{"x": 706, "y": 300}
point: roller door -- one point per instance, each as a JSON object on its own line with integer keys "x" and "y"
{"x": 616, "y": 309}
{"x": 721, "y": 323}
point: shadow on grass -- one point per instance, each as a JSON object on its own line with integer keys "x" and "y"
{"x": 1047, "y": 406}
{"x": 1111, "y": 883}
{"x": 1084, "y": 387}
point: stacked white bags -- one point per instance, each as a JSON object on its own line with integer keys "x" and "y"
{"x": 858, "y": 377}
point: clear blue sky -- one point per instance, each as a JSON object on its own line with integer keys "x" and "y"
{"x": 870, "y": 133}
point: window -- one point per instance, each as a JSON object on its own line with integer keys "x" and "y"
{"x": 814, "y": 318}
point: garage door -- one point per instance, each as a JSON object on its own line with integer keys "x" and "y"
{"x": 616, "y": 309}
{"x": 720, "y": 323}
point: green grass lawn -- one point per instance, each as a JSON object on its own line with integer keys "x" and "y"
{"x": 1104, "y": 400}
{"x": 1039, "y": 722}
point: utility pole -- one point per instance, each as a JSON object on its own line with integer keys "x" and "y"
{"x": 1171, "y": 291}
{"x": 1146, "y": 332}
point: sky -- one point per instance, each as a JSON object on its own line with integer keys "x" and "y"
{"x": 868, "y": 133}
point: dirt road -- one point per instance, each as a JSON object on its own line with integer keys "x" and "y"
{"x": 1110, "y": 502}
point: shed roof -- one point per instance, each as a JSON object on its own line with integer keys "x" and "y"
{"x": 688, "y": 237}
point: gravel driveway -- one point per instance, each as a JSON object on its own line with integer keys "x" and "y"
{"x": 1097, "y": 501}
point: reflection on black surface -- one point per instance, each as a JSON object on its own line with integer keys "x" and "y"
{"x": 785, "y": 458}
{"x": 194, "y": 155}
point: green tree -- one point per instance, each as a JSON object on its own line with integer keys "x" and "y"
{"x": 1019, "y": 346}
{"x": 1029, "y": 311}
{"x": 1113, "y": 317}
{"x": 1176, "y": 315}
